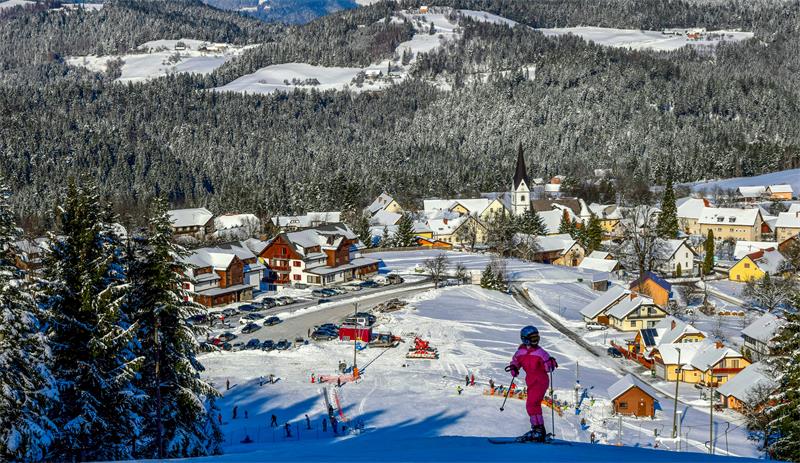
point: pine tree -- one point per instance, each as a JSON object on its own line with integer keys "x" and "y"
{"x": 784, "y": 415}
{"x": 26, "y": 385}
{"x": 176, "y": 417}
{"x": 566, "y": 226}
{"x": 594, "y": 234}
{"x": 386, "y": 240}
{"x": 362, "y": 230}
{"x": 404, "y": 236}
{"x": 678, "y": 270}
{"x": 89, "y": 338}
{"x": 667, "y": 226}
{"x": 531, "y": 223}
{"x": 488, "y": 280}
{"x": 708, "y": 258}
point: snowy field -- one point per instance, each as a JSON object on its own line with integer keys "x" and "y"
{"x": 411, "y": 410}
{"x": 13, "y": 3}
{"x": 637, "y": 39}
{"x": 159, "y": 58}
{"x": 791, "y": 177}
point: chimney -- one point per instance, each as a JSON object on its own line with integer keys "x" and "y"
{"x": 673, "y": 324}
{"x": 445, "y": 221}
{"x": 719, "y": 344}
{"x": 633, "y": 295}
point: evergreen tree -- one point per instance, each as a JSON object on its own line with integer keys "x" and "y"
{"x": 667, "y": 226}
{"x": 785, "y": 413}
{"x": 594, "y": 234}
{"x": 362, "y": 230}
{"x": 708, "y": 258}
{"x": 386, "y": 240}
{"x": 88, "y": 336}
{"x": 405, "y": 236}
{"x": 26, "y": 386}
{"x": 176, "y": 418}
{"x": 531, "y": 223}
{"x": 679, "y": 270}
{"x": 566, "y": 226}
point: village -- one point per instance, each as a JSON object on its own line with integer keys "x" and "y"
{"x": 690, "y": 317}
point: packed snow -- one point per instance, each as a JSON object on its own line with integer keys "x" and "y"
{"x": 791, "y": 177}
{"x": 290, "y": 76}
{"x": 159, "y": 58}
{"x": 412, "y": 410}
{"x": 638, "y": 39}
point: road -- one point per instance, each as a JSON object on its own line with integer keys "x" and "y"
{"x": 335, "y": 312}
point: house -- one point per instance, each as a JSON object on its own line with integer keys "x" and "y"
{"x": 667, "y": 358}
{"x": 236, "y": 226}
{"x": 596, "y": 310}
{"x": 383, "y": 202}
{"x": 253, "y": 268}
{"x": 601, "y": 265}
{"x": 751, "y": 193}
{"x": 553, "y": 217}
{"x": 707, "y": 363}
{"x": 214, "y": 277}
{"x": 744, "y": 248}
{"x": 780, "y": 192}
{"x": 433, "y": 243}
{"x": 484, "y": 209}
{"x": 787, "y": 244}
{"x": 632, "y": 396}
{"x": 383, "y": 218}
{"x": 759, "y": 336}
{"x": 195, "y": 223}
{"x": 737, "y": 224}
{"x": 749, "y": 388}
{"x": 653, "y": 286}
{"x": 689, "y": 212}
{"x": 308, "y": 220}
{"x": 755, "y": 265}
{"x": 29, "y": 255}
{"x": 679, "y": 256}
{"x": 556, "y": 249}
{"x": 609, "y": 216}
{"x": 669, "y": 330}
{"x": 601, "y": 255}
{"x": 321, "y": 256}
{"x": 787, "y": 226}
{"x": 635, "y": 312}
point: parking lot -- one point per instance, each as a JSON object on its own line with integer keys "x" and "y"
{"x": 335, "y": 311}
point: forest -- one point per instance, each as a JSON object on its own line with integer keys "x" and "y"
{"x": 572, "y": 105}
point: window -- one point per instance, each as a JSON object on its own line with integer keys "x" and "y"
{"x": 296, "y": 263}
{"x": 633, "y": 323}
{"x": 735, "y": 363}
{"x": 283, "y": 251}
{"x": 746, "y": 265}
{"x": 623, "y": 405}
{"x": 296, "y": 277}
{"x": 186, "y": 286}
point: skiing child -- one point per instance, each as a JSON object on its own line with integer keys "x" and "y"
{"x": 537, "y": 363}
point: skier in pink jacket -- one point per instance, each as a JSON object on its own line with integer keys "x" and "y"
{"x": 537, "y": 363}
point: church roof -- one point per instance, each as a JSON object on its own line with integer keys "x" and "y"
{"x": 521, "y": 173}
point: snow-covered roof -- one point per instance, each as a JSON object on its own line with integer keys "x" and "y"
{"x": 380, "y": 203}
{"x": 421, "y": 227}
{"x": 208, "y": 257}
{"x": 384, "y": 217}
{"x": 228, "y": 221}
{"x": 788, "y": 220}
{"x": 552, "y": 218}
{"x": 672, "y": 246}
{"x": 473, "y": 205}
{"x": 747, "y": 382}
{"x": 752, "y": 191}
{"x": 445, "y": 226}
{"x": 628, "y": 305}
{"x": 729, "y": 216}
{"x": 794, "y": 208}
{"x": 310, "y": 219}
{"x": 781, "y": 188}
{"x": 605, "y": 211}
{"x": 710, "y": 355}
{"x": 238, "y": 249}
{"x": 504, "y": 197}
{"x": 604, "y": 301}
{"x": 669, "y": 352}
{"x": 744, "y": 248}
{"x": 599, "y": 255}
{"x": 769, "y": 261}
{"x": 627, "y": 382}
{"x": 673, "y": 334}
{"x": 552, "y": 187}
{"x": 764, "y": 328}
{"x": 255, "y": 245}
{"x": 196, "y": 217}
{"x": 562, "y": 242}
{"x": 325, "y": 236}
{"x": 353, "y": 264}
{"x": 603, "y": 265}
{"x": 692, "y": 208}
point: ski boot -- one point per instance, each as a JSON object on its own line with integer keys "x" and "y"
{"x": 536, "y": 434}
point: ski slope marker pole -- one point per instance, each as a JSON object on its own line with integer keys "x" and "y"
{"x": 552, "y": 407}
{"x": 502, "y": 407}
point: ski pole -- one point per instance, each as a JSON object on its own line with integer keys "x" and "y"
{"x": 552, "y": 407}
{"x": 502, "y": 407}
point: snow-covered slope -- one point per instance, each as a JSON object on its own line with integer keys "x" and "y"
{"x": 791, "y": 176}
{"x": 13, "y": 3}
{"x": 654, "y": 40}
{"x": 411, "y": 409}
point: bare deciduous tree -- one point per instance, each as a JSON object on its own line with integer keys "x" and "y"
{"x": 437, "y": 268}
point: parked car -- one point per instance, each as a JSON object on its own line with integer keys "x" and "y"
{"x": 253, "y": 344}
{"x": 269, "y": 302}
{"x": 300, "y": 340}
{"x": 323, "y": 335}
{"x": 247, "y": 308}
{"x": 369, "y": 284}
{"x": 268, "y": 344}
{"x": 237, "y": 346}
{"x": 371, "y": 318}
{"x": 329, "y": 291}
{"x": 286, "y": 300}
{"x": 230, "y": 312}
{"x": 352, "y": 287}
{"x": 251, "y": 328}
{"x": 226, "y": 336}
{"x": 283, "y": 344}
{"x": 227, "y": 346}
{"x": 197, "y": 319}
{"x": 250, "y": 317}
{"x": 327, "y": 326}
{"x": 394, "y": 279}
{"x": 595, "y": 326}
{"x": 317, "y": 293}
{"x": 323, "y": 300}
{"x": 272, "y": 321}
{"x": 257, "y": 304}
{"x": 614, "y": 352}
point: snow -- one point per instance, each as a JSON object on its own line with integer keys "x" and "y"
{"x": 487, "y": 17}
{"x": 791, "y": 177}
{"x": 272, "y": 78}
{"x": 155, "y": 59}
{"x": 639, "y": 39}
{"x": 13, "y": 3}
{"x": 414, "y": 413}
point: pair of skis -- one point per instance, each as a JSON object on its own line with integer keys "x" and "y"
{"x": 521, "y": 440}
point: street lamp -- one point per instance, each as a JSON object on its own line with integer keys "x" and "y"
{"x": 680, "y": 422}
{"x": 675, "y": 409}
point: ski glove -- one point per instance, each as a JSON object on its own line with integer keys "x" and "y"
{"x": 551, "y": 364}
{"x": 513, "y": 369}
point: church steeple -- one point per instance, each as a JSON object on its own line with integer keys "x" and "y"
{"x": 521, "y": 187}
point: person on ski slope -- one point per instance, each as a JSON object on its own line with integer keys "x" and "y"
{"x": 537, "y": 363}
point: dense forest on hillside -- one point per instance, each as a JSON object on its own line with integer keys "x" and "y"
{"x": 573, "y": 106}
{"x": 285, "y": 11}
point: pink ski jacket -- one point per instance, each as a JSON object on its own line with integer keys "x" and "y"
{"x": 536, "y": 362}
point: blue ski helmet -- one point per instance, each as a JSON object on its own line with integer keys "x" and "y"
{"x": 529, "y": 335}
